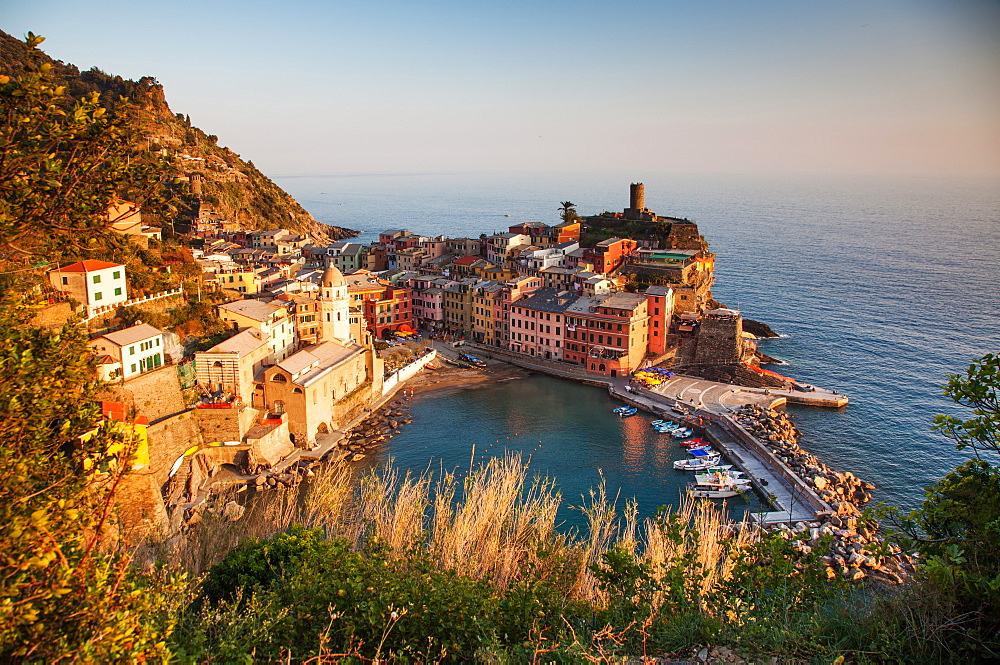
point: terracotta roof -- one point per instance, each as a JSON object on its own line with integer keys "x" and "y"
{"x": 90, "y": 265}
{"x": 466, "y": 260}
{"x": 116, "y": 411}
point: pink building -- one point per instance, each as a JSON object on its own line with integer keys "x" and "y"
{"x": 537, "y": 323}
{"x": 428, "y": 301}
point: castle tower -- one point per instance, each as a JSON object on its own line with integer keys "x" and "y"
{"x": 334, "y": 306}
{"x": 637, "y": 196}
{"x": 636, "y": 209}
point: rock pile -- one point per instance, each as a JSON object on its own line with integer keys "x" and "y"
{"x": 852, "y": 548}
{"x": 843, "y": 491}
{"x": 380, "y": 426}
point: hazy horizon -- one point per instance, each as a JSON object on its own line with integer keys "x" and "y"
{"x": 308, "y": 87}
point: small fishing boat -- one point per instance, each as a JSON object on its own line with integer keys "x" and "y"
{"x": 699, "y": 453}
{"x": 681, "y": 433}
{"x": 710, "y": 461}
{"x": 723, "y": 478}
{"x": 711, "y": 492}
{"x": 627, "y": 411}
{"x": 694, "y": 443}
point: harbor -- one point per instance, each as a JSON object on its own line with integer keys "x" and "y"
{"x": 710, "y": 409}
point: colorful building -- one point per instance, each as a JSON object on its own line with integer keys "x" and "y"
{"x": 537, "y": 323}
{"x": 96, "y": 285}
{"x": 660, "y": 305}
{"x": 609, "y": 335}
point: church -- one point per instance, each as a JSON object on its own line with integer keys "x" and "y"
{"x": 325, "y": 385}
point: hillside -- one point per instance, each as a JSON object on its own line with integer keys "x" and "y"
{"x": 233, "y": 188}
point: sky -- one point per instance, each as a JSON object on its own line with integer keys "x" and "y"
{"x": 382, "y": 86}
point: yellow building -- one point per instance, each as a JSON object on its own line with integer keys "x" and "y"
{"x": 131, "y": 434}
{"x": 245, "y": 280}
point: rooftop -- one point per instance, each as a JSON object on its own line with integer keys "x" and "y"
{"x": 548, "y": 300}
{"x": 252, "y": 309}
{"x": 136, "y": 333}
{"x": 89, "y": 265}
{"x": 311, "y": 364}
{"x": 242, "y": 343}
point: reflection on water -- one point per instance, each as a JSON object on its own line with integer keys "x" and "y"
{"x": 565, "y": 431}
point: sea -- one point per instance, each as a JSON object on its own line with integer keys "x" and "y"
{"x": 880, "y": 288}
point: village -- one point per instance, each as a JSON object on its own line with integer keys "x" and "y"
{"x": 321, "y": 337}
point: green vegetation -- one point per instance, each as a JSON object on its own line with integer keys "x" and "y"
{"x": 67, "y": 587}
{"x": 410, "y": 569}
{"x": 62, "y": 162}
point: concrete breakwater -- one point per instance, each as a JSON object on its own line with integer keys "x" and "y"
{"x": 853, "y": 548}
{"x": 843, "y": 491}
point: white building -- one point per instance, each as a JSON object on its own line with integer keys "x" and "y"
{"x": 128, "y": 353}
{"x": 271, "y": 320}
{"x": 94, "y": 284}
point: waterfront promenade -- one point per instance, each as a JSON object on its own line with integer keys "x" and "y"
{"x": 705, "y": 405}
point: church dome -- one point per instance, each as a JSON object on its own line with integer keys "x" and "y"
{"x": 333, "y": 277}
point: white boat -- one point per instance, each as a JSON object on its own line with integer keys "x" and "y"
{"x": 681, "y": 433}
{"x": 696, "y": 464}
{"x": 711, "y": 491}
{"x": 723, "y": 478}
{"x": 626, "y": 411}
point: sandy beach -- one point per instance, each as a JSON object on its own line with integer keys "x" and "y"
{"x": 449, "y": 376}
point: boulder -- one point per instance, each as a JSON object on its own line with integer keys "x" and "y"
{"x": 232, "y": 511}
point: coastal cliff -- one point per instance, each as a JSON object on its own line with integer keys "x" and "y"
{"x": 209, "y": 176}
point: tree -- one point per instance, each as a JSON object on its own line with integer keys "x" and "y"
{"x": 68, "y": 591}
{"x": 957, "y": 528}
{"x": 568, "y": 211}
{"x": 63, "y": 162}
{"x": 979, "y": 390}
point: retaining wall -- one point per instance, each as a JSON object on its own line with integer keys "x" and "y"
{"x": 406, "y": 372}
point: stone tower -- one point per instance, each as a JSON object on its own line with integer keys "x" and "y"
{"x": 636, "y": 209}
{"x": 637, "y": 196}
{"x": 334, "y": 306}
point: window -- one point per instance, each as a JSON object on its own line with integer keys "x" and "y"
{"x": 118, "y": 290}
{"x": 98, "y": 295}
{"x": 97, "y": 279}
{"x": 65, "y": 281}
{"x": 131, "y": 350}
{"x": 133, "y": 368}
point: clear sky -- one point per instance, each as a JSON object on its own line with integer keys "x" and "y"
{"x": 376, "y": 86}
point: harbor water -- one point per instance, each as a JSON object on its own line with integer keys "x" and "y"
{"x": 879, "y": 287}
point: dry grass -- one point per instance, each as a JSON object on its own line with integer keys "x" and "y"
{"x": 494, "y": 525}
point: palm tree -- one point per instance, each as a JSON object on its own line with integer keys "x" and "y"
{"x": 568, "y": 211}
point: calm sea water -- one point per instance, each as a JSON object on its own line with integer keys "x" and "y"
{"x": 880, "y": 288}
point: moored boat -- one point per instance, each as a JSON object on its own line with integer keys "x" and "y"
{"x": 711, "y": 491}
{"x": 696, "y": 464}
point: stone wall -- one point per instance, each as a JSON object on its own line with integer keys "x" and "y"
{"x": 224, "y": 424}
{"x": 53, "y": 316}
{"x": 168, "y": 439}
{"x": 685, "y": 235}
{"x": 719, "y": 340}
{"x": 155, "y": 394}
{"x": 354, "y": 404}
